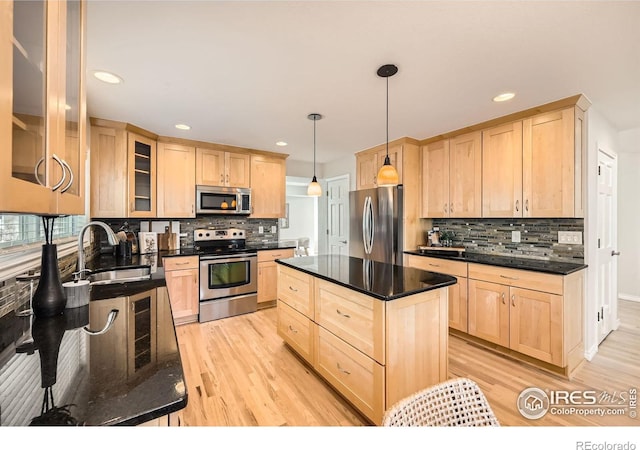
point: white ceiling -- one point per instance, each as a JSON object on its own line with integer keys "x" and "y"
{"x": 248, "y": 73}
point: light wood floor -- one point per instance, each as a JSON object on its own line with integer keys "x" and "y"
{"x": 239, "y": 373}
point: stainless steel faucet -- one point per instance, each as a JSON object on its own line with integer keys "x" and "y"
{"x": 111, "y": 236}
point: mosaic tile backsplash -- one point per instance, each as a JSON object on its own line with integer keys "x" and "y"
{"x": 539, "y": 237}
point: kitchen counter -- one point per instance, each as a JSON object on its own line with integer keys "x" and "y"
{"x": 53, "y": 370}
{"x": 271, "y": 246}
{"x": 536, "y": 265}
{"x": 379, "y": 280}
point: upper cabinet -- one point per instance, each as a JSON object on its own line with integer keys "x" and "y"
{"x": 268, "y": 186}
{"x": 452, "y": 177}
{"x": 368, "y": 162}
{"x": 527, "y": 164}
{"x": 42, "y": 107}
{"x": 502, "y": 171}
{"x": 222, "y": 168}
{"x": 123, "y": 171}
{"x": 176, "y": 180}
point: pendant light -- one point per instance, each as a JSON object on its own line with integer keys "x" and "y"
{"x": 314, "y": 189}
{"x": 387, "y": 175}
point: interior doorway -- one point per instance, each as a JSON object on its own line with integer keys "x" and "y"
{"x": 301, "y": 221}
{"x": 607, "y": 298}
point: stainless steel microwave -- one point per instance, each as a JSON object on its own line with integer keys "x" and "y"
{"x": 222, "y": 200}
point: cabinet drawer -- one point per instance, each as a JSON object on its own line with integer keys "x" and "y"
{"x": 356, "y": 376}
{"x": 448, "y": 267}
{"x": 270, "y": 255}
{"x": 354, "y": 317}
{"x": 526, "y": 279}
{"x": 295, "y": 289}
{"x": 296, "y": 330}
{"x": 181, "y": 263}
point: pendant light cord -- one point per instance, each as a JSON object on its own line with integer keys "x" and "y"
{"x": 387, "y": 117}
{"x": 314, "y": 147}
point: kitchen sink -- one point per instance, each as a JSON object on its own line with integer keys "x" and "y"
{"x": 120, "y": 275}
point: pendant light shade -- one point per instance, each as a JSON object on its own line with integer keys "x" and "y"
{"x": 314, "y": 189}
{"x": 387, "y": 175}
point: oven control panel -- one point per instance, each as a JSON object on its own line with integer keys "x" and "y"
{"x": 206, "y": 234}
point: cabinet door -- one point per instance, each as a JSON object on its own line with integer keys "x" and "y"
{"x": 366, "y": 170}
{"x": 267, "y": 187}
{"x": 465, "y": 175}
{"x": 209, "y": 167}
{"x": 108, "y": 172}
{"x": 142, "y": 176}
{"x": 502, "y": 171}
{"x": 28, "y": 76}
{"x": 176, "y": 180}
{"x": 489, "y": 311}
{"x": 72, "y": 109}
{"x": 548, "y": 164}
{"x": 183, "y": 294}
{"x": 141, "y": 334}
{"x": 536, "y": 324}
{"x": 458, "y": 304}
{"x": 267, "y": 284}
{"x": 238, "y": 167}
{"x": 435, "y": 179}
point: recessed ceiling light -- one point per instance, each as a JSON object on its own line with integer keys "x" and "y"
{"x": 107, "y": 77}
{"x": 182, "y": 126}
{"x": 504, "y": 97}
{"x": 281, "y": 144}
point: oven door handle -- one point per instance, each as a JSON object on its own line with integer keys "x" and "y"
{"x": 232, "y": 256}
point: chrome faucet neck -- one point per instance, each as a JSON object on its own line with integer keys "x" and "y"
{"x": 111, "y": 236}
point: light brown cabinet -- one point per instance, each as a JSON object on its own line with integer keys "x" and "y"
{"x": 452, "y": 177}
{"x": 535, "y": 314}
{"x": 176, "y": 179}
{"x": 534, "y": 167}
{"x": 458, "y": 302}
{"x": 372, "y": 352}
{"x": 222, "y": 168}
{"x": 268, "y": 274}
{"x": 43, "y": 114}
{"x": 182, "y": 278}
{"x": 268, "y": 186}
{"x": 123, "y": 171}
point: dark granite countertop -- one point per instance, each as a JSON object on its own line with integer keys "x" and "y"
{"x": 270, "y": 246}
{"x": 379, "y": 280}
{"x": 121, "y": 377}
{"x": 536, "y": 265}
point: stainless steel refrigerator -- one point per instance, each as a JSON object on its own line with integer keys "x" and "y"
{"x": 376, "y": 224}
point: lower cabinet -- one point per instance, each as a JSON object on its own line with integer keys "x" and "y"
{"x": 457, "y": 292}
{"x": 373, "y": 352}
{"x": 268, "y": 273}
{"x": 535, "y": 314}
{"x": 182, "y": 277}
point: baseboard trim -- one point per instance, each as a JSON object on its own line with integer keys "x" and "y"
{"x": 633, "y": 298}
{"x": 590, "y": 353}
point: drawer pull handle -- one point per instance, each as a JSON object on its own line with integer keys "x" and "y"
{"x": 342, "y": 314}
{"x": 513, "y": 300}
{"x": 294, "y": 290}
{"x": 293, "y": 329}
{"x": 182, "y": 263}
{"x": 342, "y": 370}
{"x": 509, "y": 278}
{"x": 276, "y": 256}
{"x": 434, "y": 265}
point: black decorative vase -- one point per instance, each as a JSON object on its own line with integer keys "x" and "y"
{"x": 49, "y": 299}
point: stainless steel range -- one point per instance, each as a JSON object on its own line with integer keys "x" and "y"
{"x": 228, "y": 273}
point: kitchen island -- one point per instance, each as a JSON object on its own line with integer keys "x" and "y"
{"x": 91, "y": 365}
{"x": 375, "y": 332}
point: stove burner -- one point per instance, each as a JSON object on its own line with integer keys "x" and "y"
{"x": 220, "y": 241}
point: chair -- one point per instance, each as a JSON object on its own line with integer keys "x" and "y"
{"x": 456, "y": 402}
{"x": 303, "y": 246}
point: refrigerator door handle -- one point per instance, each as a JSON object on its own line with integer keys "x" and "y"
{"x": 367, "y": 225}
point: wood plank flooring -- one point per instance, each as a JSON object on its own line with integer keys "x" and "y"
{"x": 239, "y": 373}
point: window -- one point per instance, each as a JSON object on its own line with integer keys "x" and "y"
{"x": 19, "y": 230}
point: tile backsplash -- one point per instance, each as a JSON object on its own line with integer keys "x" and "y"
{"x": 538, "y": 237}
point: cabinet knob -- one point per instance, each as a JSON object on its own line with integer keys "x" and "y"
{"x": 451, "y": 208}
{"x": 513, "y": 300}
{"x": 502, "y": 297}
{"x": 517, "y": 205}
{"x": 526, "y": 205}
{"x": 444, "y": 208}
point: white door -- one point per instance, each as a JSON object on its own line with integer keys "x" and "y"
{"x": 338, "y": 215}
{"x": 607, "y": 241}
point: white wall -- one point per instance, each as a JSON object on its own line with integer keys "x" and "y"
{"x": 342, "y": 166}
{"x": 601, "y": 134}
{"x": 629, "y": 215}
{"x": 302, "y": 223}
